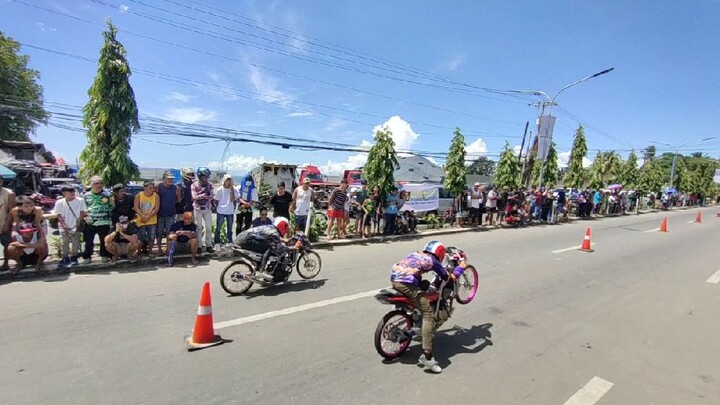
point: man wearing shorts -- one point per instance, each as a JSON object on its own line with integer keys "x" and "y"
{"x": 184, "y": 232}
{"x": 123, "y": 240}
{"x": 303, "y": 198}
{"x": 336, "y": 210}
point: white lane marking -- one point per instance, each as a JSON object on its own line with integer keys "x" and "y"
{"x": 292, "y": 310}
{"x": 652, "y": 230}
{"x": 715, "y": 278}
{"x": 591, "y": 392}
{"x": 691, "y": 222}
{"x": 570, "y": 248}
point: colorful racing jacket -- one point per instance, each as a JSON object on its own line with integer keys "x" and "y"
{"x": 409, "y": 270}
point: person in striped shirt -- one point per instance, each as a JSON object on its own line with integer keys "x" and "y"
{"x": 336, "y": 210}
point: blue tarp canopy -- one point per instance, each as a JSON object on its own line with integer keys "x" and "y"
{"x": 6, "y": 173}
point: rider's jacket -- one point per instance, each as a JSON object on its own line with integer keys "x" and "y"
{"x": 266, "y": 236}
{"x": 409, "y": 270}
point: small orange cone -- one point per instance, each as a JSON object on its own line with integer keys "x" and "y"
{"x": 698, "y": 218}
{"x": 203, "y": 335}
{"x": 664, "y": 225}
{"x": 586, "y": 242}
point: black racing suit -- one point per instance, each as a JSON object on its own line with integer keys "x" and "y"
{"x": 265, "y": 240}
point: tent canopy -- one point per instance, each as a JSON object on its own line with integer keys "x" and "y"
{"x": 6, "y": 173}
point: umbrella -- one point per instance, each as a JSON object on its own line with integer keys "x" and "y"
{"x": 614, "y": 186}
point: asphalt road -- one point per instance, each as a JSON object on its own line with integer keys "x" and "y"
{"x": 635, "y": 322}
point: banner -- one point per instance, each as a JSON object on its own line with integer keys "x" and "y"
{"x": 717, "y": 177}
{"x": 547, "y": 125}
{"x": 421, "y": 197}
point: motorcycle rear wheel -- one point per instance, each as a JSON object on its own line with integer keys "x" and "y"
{"x": 308, "y": 265}
{"x": 387, "y": 332}
{"x": 235, "y": 279}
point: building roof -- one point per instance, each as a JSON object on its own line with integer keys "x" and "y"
{"x": 416, "y": 169}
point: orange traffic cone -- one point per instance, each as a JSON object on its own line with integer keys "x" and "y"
{"x": 698, "y": 218}
{"x": 664, "y": 225}
{"x": 203, "y": 335}
{"x": 586, "y": 242}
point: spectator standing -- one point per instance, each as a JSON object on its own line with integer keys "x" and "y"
{"x": 263, "y": 219}
{"x": 100, "y": 205}
{"x": 202, "y": 195}
{"x": 225, "y": 195}
{"x": 186, "y": 199}
{"x": 183, "y": 232}
{"x": 124, "y": 204}
{"x": 360, "y": 197}
{"x": 476, "y": 202}
{"x": 69, "y": 210}
{"x": 169, "y": 195}
{"x": 302, "y": 200}
{"x": 147, "y": 205}
{"x": 248, "y": 199}
{"x": 336, "y": 210}
{"x": 370, "y": 209}
{"x": 391, "y": 212}
{"x": 7, "y": 202}
{"x": 281, "y": 202}
{"x": 123, "y": 241}
{"x": 491, "y": 206}
{"x": 28, "y": 248}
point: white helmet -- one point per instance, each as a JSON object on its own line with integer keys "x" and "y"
{"x": 282, "y": 225}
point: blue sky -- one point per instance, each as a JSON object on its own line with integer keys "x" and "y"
{"x": 664, "y": 86}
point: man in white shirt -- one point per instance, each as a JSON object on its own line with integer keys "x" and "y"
{"x": 491, "y": 206}
{"x": 303, "y": 197}
{"x": 69, "y": 210}
{"x": 226, "y": 196}
{"x": 476, "y": 202}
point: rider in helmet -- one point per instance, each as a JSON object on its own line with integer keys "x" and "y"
{"x": 270, "y": 240}
{"x": 406, "y": 277}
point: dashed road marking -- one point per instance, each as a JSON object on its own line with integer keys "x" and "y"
{"x": 715, "y": 278}
{"x": 591, "y": 392}
{"x": 653, "y": 230}
{"x": 570, "y": 248}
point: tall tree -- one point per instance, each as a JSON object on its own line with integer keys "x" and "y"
{"x": 381, "y": 162}
{"x": 575, "y": 174}
{"x": 651, "y": 177}
{"x": 110, "y": 116}
{"x": 507, "y": 174}
{"x": 21, "y": 96}
{"x": 630, "y": 174}
{"x": 482, "y": 166}
{"x": 549, "y": 173}
{"x": 455, "y": 169}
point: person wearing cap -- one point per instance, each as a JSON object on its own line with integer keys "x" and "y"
{"x": 98, "y": 219}
{"x": 302, "y": 199}
{"x": 186, "y": 199}
{"x": 69, "y": 210}
{"x": 184, "y": 232}
{"x": 169, "y": 195}
{"x": 226, "y": 195}
{"x": 7, "y": 202}
{"x": 124, "y": 204}
{"x": 123, "y": 241}
{"x": 28, "y": 248}
{"x": 147, "y": 205}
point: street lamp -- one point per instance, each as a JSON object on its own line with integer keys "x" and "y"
{"x": 677, "y": 150}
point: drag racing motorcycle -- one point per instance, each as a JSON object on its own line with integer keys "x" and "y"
{"x": 240, "y": 275}
{"x": 397, "y": 328}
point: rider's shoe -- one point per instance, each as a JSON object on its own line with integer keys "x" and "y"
{"x": 264, "y": 276}
{"x": 431, "y": 365}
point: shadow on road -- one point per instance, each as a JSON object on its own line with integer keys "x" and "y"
{"x": 290, "y": 286}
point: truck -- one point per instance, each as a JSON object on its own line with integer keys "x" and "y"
{"x": 323, "y": 185}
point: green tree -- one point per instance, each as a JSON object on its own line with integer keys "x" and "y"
{"x": 381, "y": 162}
{"x": 605, "y": 170}
{"x": 21, "y": 96}
{"x": 110, "y": 116}
{"x": 575, "y": 174}
{"x": 482, "y": 166}
{"x": 651, "y": 177}
{"x": 630, "y": 173}
{"x": 507, "y": 174}
{"x": 455, "y": 169}
{"x": 550, "y": 172}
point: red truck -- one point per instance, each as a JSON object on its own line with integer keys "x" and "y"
{"x": 353, "y": 177}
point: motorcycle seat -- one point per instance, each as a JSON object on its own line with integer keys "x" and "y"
{"x": 391, "y": 292}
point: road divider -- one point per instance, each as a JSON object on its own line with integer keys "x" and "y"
{"x": 591, "y": 392}
{"x": 715, "y": 278}
{"x": 292, "y": 310}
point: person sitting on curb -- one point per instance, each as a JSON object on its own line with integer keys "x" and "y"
{"x": 123, "y": 241}
{"x": 28, "y": 248}
{"x": 184, "y": 232}
{"x": 262, "y": 219}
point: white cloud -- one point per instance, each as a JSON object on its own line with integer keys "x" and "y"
{"x": 301, "y": 114}
{"x": 124, "y": 8}
{"x": 239, "y": 164}
{"x": 334, "y": 168}
{"x": 44, "y": 27}
{"x": 190, "y": 115}
{"x": 402, "y": 132}
{"x": 297, "y": 43}
{"x": 564, "y": 158}
{"x": 476, "y": 149}
{"x": 452, "y": 63}
{"x": 268, "y": 88}
{"x": 177, "y": 96}
{"x": 334, "y": 125}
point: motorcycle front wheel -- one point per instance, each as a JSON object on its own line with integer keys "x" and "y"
{"x": 308, "y": 265}
{"x": 467, "y": 285}
{"x": 393, "y": 334}
{"x": 236, "y": 278}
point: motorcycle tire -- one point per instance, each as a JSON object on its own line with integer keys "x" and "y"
{"x": 380, "y": 334}
{"x": 470, "y": 276}
{"x": 301, "y": 265}
{"x": 230, "y": 276}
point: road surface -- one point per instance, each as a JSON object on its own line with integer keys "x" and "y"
{"x": 635, "y": 322}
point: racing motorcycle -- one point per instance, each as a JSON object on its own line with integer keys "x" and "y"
{"x": 398, "y": 327}
{"x": 240, "y": 275}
